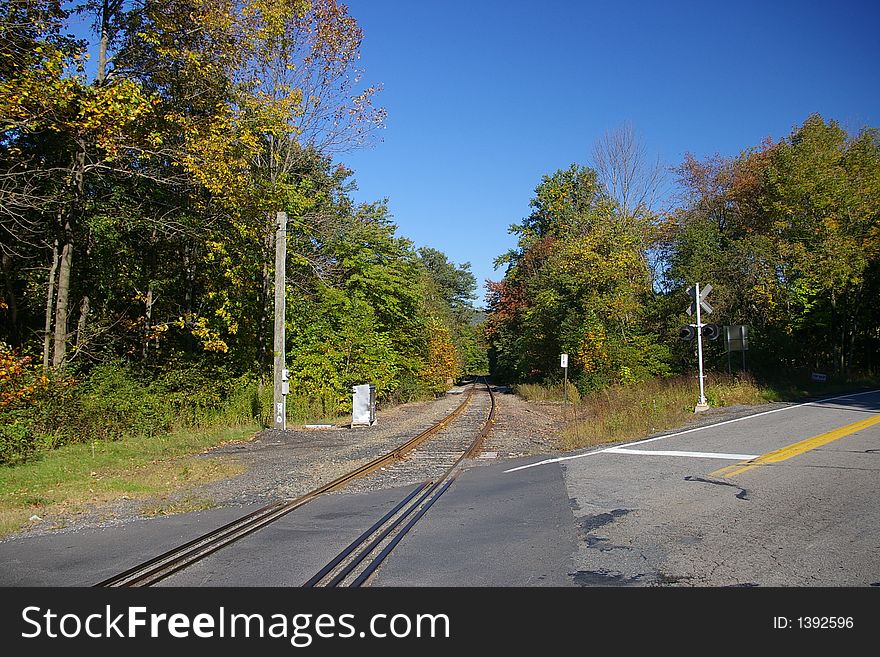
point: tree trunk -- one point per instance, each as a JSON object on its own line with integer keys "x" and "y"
{"x": 81, "y": 324}
{"x": 85, "y": 304}
{"x": 148, "y": 319}
{"x": 15, "y": 333}
{"x": 189, "y": 262}
{"x": 850, "y": 348}
{"x": 60, "y": 348}
{"x": 150, "y": 298}
{"x": 78, "y": 173}
{"x": 101, "y": 74}
{"x": 835, "y": 343}
{"x": 50, "y": 297}
{"x": 190, "y": 268}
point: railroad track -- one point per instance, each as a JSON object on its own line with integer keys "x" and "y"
{"x": 354, "y": 565}
{"x": 184, "y": 555}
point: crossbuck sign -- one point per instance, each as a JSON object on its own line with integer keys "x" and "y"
{"x": 698, "y": 304}
{"x": 695, "y": 293}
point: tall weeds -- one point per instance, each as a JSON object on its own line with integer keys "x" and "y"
{"x": 627, "y": 412}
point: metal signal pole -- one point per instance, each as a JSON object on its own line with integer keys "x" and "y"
{"x": 702, "y": 405}
{"x": 280, "y": 413}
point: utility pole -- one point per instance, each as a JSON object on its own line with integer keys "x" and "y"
{"x": 280, "y": 372}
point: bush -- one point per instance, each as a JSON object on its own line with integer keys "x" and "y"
{"x": 200, "y": 396}
{"x": 17, "y": 443}
{"x": 115, "y": 402}
{"x": 625, "y": 412}
{"x": 410, "y": 389}
{"x": 24, "y": 392}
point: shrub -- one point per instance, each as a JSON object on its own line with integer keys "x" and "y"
{"x": 17, "y": 443}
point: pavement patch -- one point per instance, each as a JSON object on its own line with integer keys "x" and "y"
{"x": 589, "y": 523}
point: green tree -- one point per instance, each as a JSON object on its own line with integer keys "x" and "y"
{"x": 576, "y": 284}
{"x": 787, "y": 234}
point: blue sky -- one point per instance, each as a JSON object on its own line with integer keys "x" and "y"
{"x": 484, "y": 97}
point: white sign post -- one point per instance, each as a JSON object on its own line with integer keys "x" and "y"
{"x": 700, "y": 303}
{"x": 563, "y": 363}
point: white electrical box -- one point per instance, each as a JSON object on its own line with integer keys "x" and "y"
{"x": 363, "y": 405}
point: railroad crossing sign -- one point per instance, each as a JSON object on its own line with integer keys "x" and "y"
{"x": 704, "y": 305}
{"x": 699, "y": 303}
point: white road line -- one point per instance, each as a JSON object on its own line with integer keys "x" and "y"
{"x": 680, "y": 433}
{"x": 697, "y": 455}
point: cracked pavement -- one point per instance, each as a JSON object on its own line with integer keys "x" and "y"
{"x": 808, "y": 520}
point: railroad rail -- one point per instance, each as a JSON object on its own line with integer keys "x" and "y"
{"x": 178, "y": 558}
{"x": 354, "y": 565}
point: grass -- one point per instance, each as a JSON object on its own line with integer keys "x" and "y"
{"x": 75, "y": 477}
{"x": 627, "y": 412}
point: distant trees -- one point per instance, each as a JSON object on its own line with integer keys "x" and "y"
{"x": 450, "y": 292}
{"x": 576, "y": 284}
{"x": 787, "y": 234}
{"x": 789, "y": 231}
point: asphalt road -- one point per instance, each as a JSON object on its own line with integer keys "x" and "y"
{"x": 677, "y": 509}
{"x": 671, "y": 510}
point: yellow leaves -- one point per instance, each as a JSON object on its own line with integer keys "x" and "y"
{"x": 762, "y": 296}
{"x": 215, "y": 345}
{"x": 442, "y": 362}
{"x": 592, "y": 354}
{"x": 43, "y": 96}
{"x": 156, "y": 332}
{"x": 625, "y": 375}
{"x": 19, "y": 377}
{"x": 199, "y": 328}
{"x": 231, "y": 324}
{"x": 112, "y": 112}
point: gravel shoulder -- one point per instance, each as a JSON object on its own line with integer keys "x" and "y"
{"x": 285, "y": 464}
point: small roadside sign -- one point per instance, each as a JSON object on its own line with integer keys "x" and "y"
{"x": 563, "y": 363}
{"x": 817, "y": 376}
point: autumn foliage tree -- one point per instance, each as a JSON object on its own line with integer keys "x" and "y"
{"x": 138, "y": 192}
{"x": 576, "y": 284}
{"x": 787, "y": 232}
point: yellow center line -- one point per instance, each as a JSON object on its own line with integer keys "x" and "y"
{"x": 796, "y": 448}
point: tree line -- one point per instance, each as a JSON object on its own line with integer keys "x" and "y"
{"x": 787, "y": 233}
{"x": 138, "y": 195}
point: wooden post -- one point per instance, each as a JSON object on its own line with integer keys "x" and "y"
{"x": 280, "y": 406}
